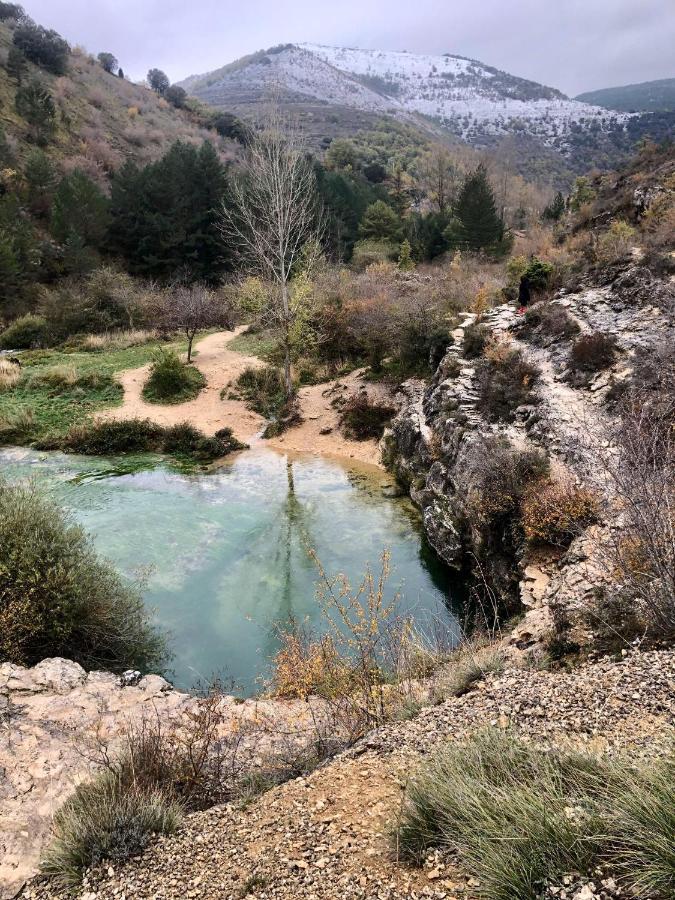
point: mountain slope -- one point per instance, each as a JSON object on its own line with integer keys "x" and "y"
{"x": 648, "y": 96}
{"x": 472, "y": 100}
{"x": 101, "y": 120}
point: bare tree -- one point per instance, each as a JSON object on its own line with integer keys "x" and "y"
{"x": 188, "y": 308}
{"x": 273, "y": 217}
{"x": 439, "y": 177}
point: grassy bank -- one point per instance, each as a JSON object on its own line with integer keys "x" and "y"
{"x": 58, "y": 389}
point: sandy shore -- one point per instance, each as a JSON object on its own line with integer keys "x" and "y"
{"x": 317, "y": 434}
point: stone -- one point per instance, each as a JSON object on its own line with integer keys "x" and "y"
{"x": 58, "y": 675}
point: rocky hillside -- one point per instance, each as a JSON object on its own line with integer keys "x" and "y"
{"x": 518, "y": 407}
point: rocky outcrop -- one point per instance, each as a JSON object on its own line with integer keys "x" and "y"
{"x": 52, "y": 716}
{"x": 437, "y": 443}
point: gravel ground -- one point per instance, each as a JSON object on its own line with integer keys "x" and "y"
{"x": 326, "y": 836}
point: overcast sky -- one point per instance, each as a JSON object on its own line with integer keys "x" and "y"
{"x": 574, "y": 45}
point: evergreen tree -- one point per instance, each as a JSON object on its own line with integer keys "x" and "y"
{"x": 40, "y": 179}
{"x": 479, "y": 223}
{"x": 165, "y": 217}
{"x": 80, "y": 212}
{"x": 158, "y": 81}
{"x": 555, "y": 208}
{"x": 405, "y": 260}
{"x": 380, "y": 223}
{"x": 35, "y": 104}
{"x": 16, "y": 64}
{"x": 108, "y": 61}
{"x": 43, "y": 47}
{"x": 120, "y": 72}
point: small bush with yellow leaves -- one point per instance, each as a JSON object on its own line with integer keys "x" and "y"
{"x": 556, "y": 511}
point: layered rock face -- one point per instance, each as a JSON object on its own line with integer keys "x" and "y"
{"x": 438, "y": 443}
{"x": 54, "y": 715}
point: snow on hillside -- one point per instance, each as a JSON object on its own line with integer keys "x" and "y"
{"x": 473, "y": 100}
{"x": 467, "y": 96}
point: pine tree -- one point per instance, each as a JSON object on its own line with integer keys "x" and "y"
{"x": 555, "y": 209}
{"x": 80, "y": 212}
{"x": 165, "y": 217}
{"x": 405, "y": 260}
{"x": 479, "y": 223}
{"x": 380, "y": 223}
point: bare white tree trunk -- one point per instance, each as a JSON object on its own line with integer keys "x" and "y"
{"x": 273, "y": 215}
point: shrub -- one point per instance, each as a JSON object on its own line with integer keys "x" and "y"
{"x": 467, "y": 666}
{"x": 185, "y": 440}
{"x": 538, "y": 274}
{"x": 43, "y": 47}
{"x": 475, "y": 340}
{"x": 171, "y": 380}
{"x": 555, "y": 512}
{"x": 614, "y": 619}
{"x": 106, "y": 820}
{"x": 502, "y": 806}
{"x": 263, "y": 390}
{"x": 57, "y": 598}
{"x": 113, "y": 438}
{"x": 371, "y": 252}
{"x": 616, "y": 242}
{"x": 593, "y": 352}
{"x": 61, "y": 379}
{"x": 10, "y": 374}
{"x": 27, "y": 333}
{"x": 545, "y": 323}
{"x": 506, "y": 380}
{"x": 362, "y": 418}
{"x": 520, "y": 818}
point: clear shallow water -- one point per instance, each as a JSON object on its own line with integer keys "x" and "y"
{"x": 225, "y": 553}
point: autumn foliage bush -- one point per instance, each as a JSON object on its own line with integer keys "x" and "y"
{"x": 555, "y": 511}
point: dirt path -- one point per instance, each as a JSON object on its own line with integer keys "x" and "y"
{"x": 318, "y": 433}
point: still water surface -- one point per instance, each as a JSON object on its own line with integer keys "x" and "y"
{"x": 224, "y": 554}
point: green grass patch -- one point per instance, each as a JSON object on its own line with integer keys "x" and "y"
{"x": 59, "y": 390}
{"x": 255, "y": 343}
{"x": 171, "y": 380}
{"x": 520, "y": 818}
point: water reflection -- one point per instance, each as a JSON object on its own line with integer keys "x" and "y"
{"x": 227, "y": 552}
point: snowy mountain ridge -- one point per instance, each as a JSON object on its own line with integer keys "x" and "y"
{"x": 472, "y": 100}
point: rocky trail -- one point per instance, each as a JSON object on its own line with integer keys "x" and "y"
{"x": 317, "y": 434}
{"x": 326, "y": 836}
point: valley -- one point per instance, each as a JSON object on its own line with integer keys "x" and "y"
{"x": 337, "y": 458}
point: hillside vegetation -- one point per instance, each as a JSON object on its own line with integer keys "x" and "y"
{"x": 647, "y": 96}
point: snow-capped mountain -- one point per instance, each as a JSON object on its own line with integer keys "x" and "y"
{"x": 466, "y": 96}
{"x": 472, "y": 100}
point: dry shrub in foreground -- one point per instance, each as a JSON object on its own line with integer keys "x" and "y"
{"x": 642, "y": 555}
{"x": 164, "y": 768}
{"x": 369, "y": 663}
{"x": 10, "y": 374}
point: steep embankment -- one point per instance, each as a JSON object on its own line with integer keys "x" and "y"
{"x": 441, "y": 442}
